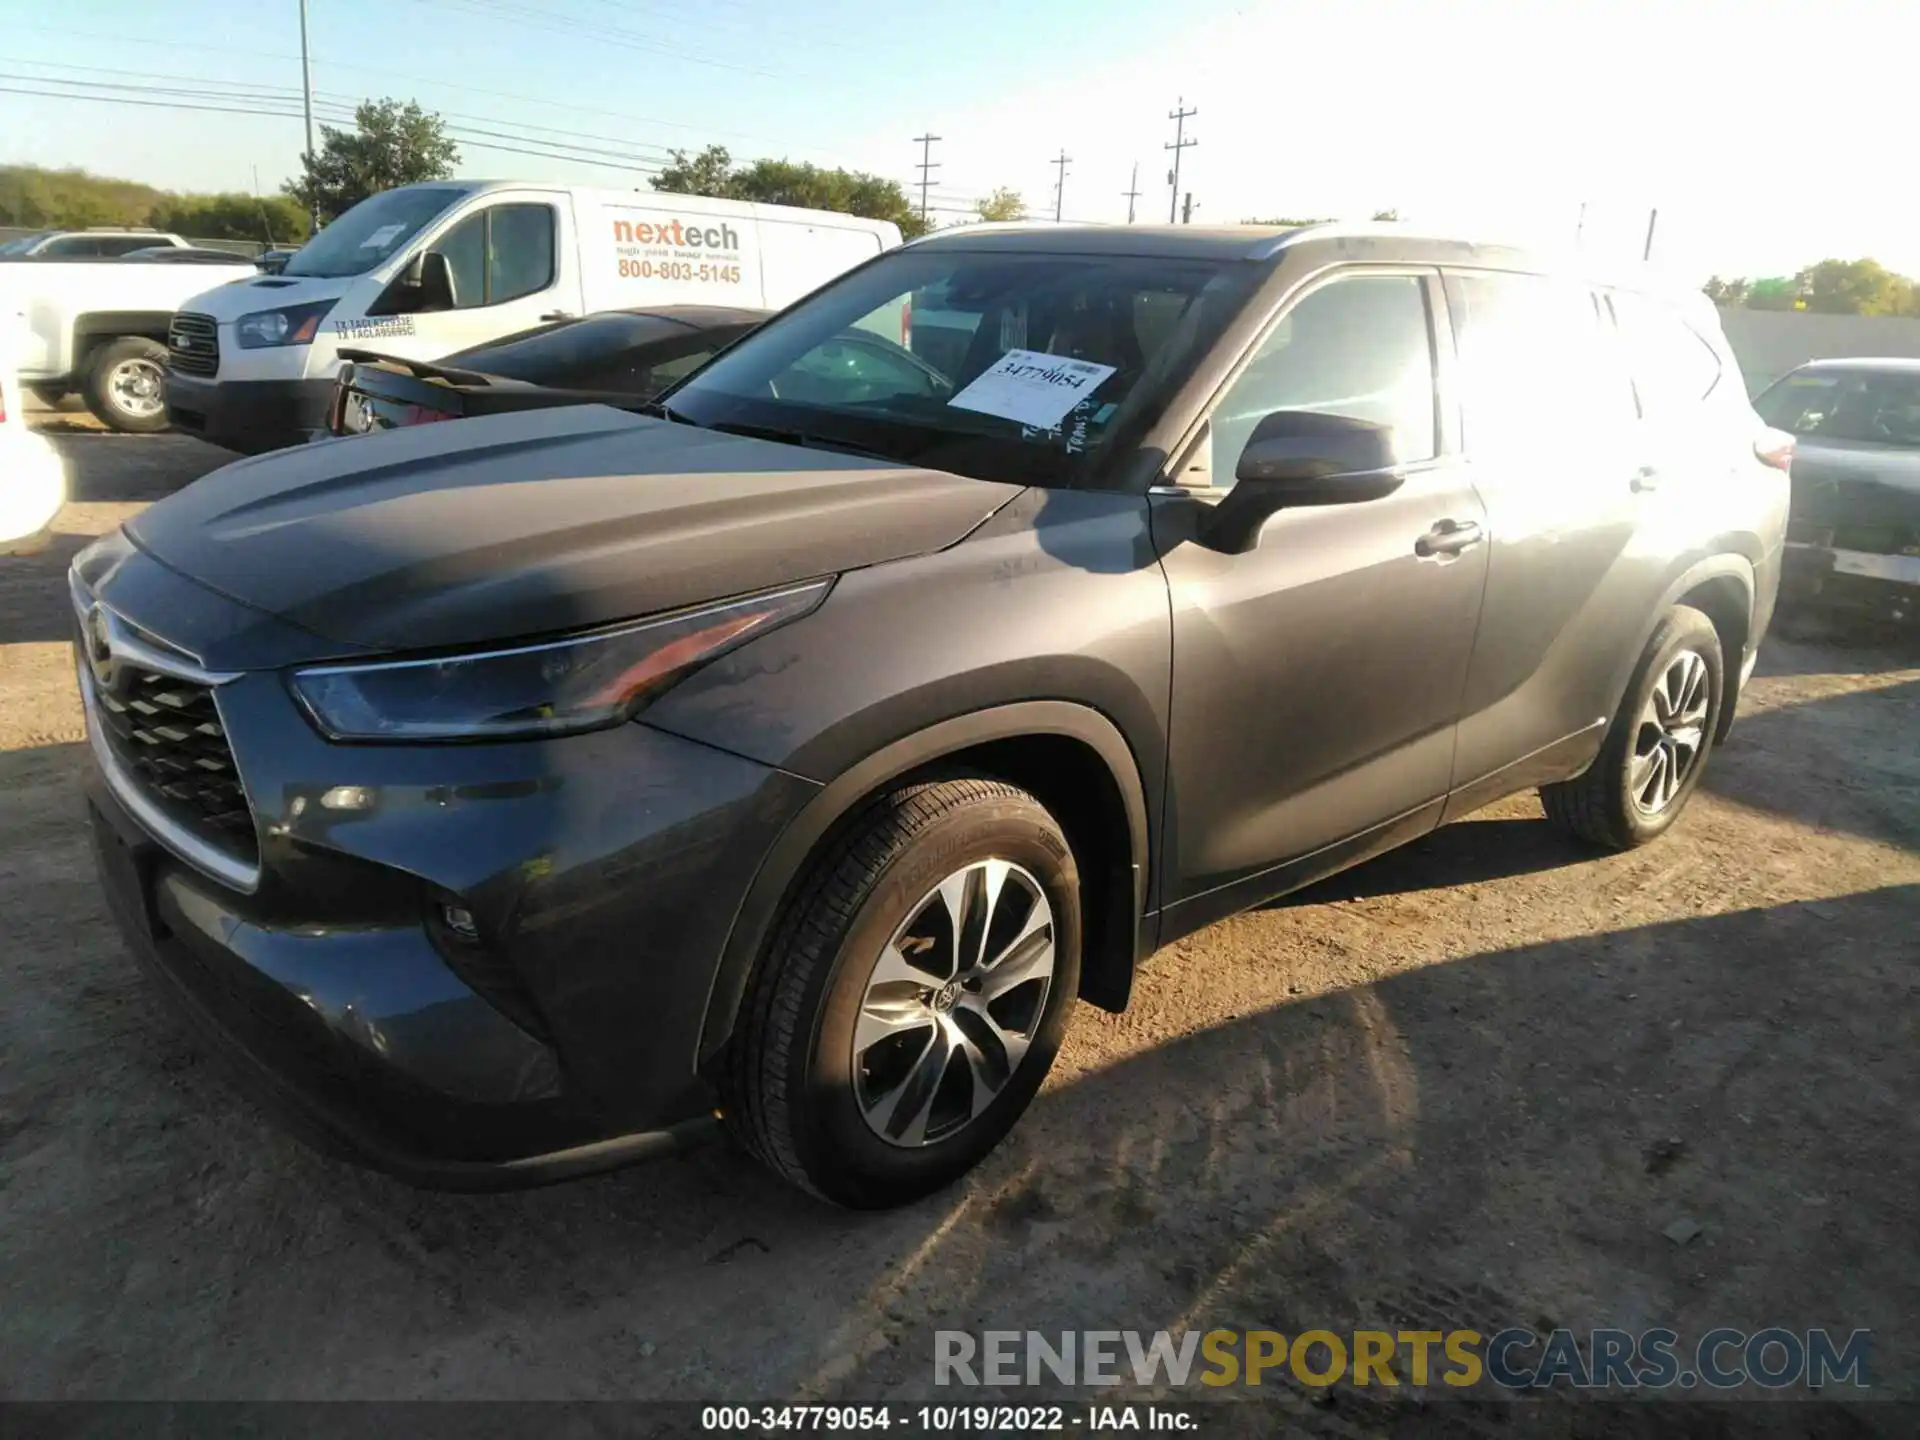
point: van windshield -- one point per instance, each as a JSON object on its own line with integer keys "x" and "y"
{"x": 376, "y": 228}
{"x": 1031, "y": 368}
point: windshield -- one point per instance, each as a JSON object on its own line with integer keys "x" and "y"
{"x": 1029, "y": 368}
{"x": 21, "y": 244}
{"x": 376, "y": 228}
{"x": 1874, "y": 407}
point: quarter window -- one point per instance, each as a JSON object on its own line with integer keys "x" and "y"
{"x": 1360, "y": 347}
{"x": 1674, "y": 369}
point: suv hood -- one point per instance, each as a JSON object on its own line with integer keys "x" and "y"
{"x": 540, "y": 522}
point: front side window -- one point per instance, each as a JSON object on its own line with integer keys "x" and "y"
{"x": 1360, "y": 346}
{"x": 1541, "y": 371}
{"x": 1102, "y": 341}
{"x": 1863, "y": 407}
{"x": 499, "y": 254}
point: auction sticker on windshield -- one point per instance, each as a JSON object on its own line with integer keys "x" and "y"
{"x": 1032, "y": 387}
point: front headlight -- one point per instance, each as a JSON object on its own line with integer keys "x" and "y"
{"x": 295, "y": 325}
{"x": 562, "y": 687}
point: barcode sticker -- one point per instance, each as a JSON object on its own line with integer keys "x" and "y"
{"x": 1032, "y": 387}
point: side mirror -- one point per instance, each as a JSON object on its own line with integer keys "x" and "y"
{"x": 1302, "y": 457}
{"x": 433, "y": 280}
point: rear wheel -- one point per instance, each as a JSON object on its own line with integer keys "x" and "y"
{"x": 1657, "y": 746}
{"x": 126, "y": 385}
{"x": 913, "y": 995}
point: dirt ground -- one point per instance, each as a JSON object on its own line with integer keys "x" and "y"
{"x": 1473, "y": 1081}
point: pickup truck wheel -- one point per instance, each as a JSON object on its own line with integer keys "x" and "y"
{"x": 126, "y": 385}
{"x": 912, "y": 996}
{"x": 1657, "y": 746}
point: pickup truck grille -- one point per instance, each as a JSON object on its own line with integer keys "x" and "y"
{"x": 193, "y": 345}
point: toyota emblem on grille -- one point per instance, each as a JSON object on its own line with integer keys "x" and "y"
{"x": 99, "y": 648}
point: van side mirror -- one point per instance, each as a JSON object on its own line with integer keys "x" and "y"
{"x": 424, "y": 284}
{"x": 1302, "y": 457}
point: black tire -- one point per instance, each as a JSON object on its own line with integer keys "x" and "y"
{"x": 1599, "y": 806}
{"x": 789, "y": 1085}
{"x": 99, "y": 391}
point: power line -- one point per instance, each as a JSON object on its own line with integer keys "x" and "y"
{"x": 601, "y": 34}
{"x": 1060, "y": 185}
{"x": 927, "y": 166}
{"x": 1132, "y": 192}
{"x": 1177, "y": 144}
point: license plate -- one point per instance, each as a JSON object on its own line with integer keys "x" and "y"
{"x": 1902, "y": 569}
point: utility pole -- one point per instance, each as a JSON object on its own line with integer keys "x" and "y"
{"x": 1186, "y": 211}
{"x": 1177, "y": 144}
{"x": 1653, "y": 217}
{"x": 1060, "y": 185}
{"x": 1132, "y": 192}
{"x": 927, "y": 167}
{"x": 306, "y": 95}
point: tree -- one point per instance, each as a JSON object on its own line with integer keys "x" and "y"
{"x": 1003, "y": 204}
{"x": 789, "y": 182}
{"x": 391, "y": 144}
{"x": 1386, "y": 214}
{"x": 270, "y": 219}
{"x": 1286, "y": 224}
{"x": 1852, "y": 287}
{"x": 1727, "y": 292}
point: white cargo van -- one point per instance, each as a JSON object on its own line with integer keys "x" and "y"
{"x": 425, "y": 270}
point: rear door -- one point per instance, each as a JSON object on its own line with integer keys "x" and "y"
{"x": 1551, "y": 432}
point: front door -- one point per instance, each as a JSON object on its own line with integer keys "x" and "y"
{"x": 1317, "y": 678}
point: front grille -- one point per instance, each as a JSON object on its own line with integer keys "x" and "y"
{"x": 1872, "y": 539}
{"x": 193, "y": 345}
{"x": 166, "y": 733}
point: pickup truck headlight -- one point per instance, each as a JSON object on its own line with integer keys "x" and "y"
{"x": 295, "y": 325}
{"x": 560, "y": 687}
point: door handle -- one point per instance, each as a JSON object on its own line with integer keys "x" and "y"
{"x": 557, "y": 315}
{"x": 1449, "y": 537}
{"x": 1644, "y": 479}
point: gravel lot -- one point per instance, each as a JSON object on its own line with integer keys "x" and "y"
{"x": 1446, "y": 1084}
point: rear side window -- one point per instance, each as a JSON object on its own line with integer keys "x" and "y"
{"x": 1674, "y": 369}
{"x": 1541, "y": 368}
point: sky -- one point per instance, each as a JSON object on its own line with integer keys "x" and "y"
{"x": 1765, "y": 135}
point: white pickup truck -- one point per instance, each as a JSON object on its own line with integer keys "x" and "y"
{"x": 100, "y": 327}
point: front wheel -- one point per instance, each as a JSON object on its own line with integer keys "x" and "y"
{"x": 1657, "y": 746}
{"x": 126, "y": 385}
{"x": 913, "y": 995}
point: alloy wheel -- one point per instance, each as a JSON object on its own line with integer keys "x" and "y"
{"x": 953, "y": 1003}
{"x": 1671, "y": 735}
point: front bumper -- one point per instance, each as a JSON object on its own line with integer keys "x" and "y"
{"x": 250, "y": 416}
{"x": 601, "y": 872}
{"x": 1860, "y": 583}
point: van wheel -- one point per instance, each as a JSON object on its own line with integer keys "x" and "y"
{"x": 1657, "y": 746}
{"x": 126, "y": 385}
{"x": 913, "y": 994}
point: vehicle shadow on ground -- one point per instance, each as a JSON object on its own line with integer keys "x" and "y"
{"x": 1857, "y": 764}
{"x": 1467, "y": 851}
{"x": 1337, "y": 1161}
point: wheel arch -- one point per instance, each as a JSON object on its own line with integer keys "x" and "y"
{"x": 1069, "y": 756}
{"x": 103, "y": 327}
{"x": 1721, "y": 586}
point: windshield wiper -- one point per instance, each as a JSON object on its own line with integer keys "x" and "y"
{"x": 805, "y": 441}
{"x": 661, "y": 411}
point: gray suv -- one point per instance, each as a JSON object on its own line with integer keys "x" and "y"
{"x": 522, "y": 795}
